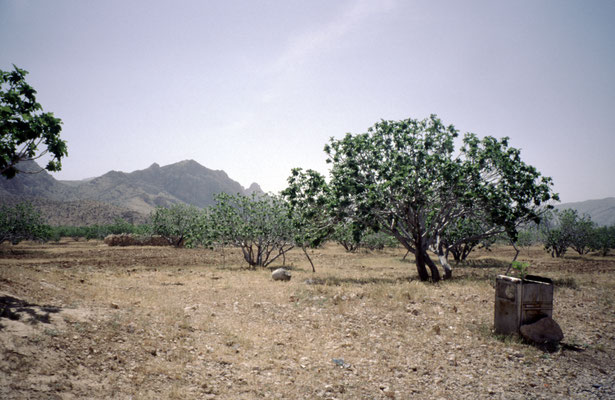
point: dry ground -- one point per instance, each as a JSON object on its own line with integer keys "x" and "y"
{"x": 83, "y": 320}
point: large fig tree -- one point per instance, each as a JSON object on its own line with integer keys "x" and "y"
{"x": 407, "y": 179}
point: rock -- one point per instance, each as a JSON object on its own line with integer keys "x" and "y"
{"x": 340, "y": 363}
{"x": 281, "y": 274}
{"x": 545, "y": 330}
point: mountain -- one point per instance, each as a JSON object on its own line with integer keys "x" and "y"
{"x": 77, "y": 212}
{"x": 33, "y": 181}
{"x": 137, "y": 192}
{"x": 602, "y": 212}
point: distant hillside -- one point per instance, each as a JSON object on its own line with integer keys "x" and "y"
{"x": 137, "y": 192}
{"x": 34, "y": 181}
{"x": 78, "y": 212}
{"x": 602, "y": 212}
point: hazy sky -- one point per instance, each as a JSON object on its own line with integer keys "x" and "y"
{"x": 258, "y": 87}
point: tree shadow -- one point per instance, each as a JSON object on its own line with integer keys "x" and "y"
{"x": 572, "y": 347}
{"x": 483, "y": 263}
{"x": 12, "y": 253}
{"x": 336, "y": 281}
{"x": 472, "y": 276}
{"x": 555, "y": 347}
{"x": 14, "y": 309}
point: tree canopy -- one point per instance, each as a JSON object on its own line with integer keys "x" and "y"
{"x": 22, "y": 222}
{"x": 24, "y": 127}
{"x": 407, "y": 179}
{"x": 259, "y": 225}
{"x": 175, "y": 223}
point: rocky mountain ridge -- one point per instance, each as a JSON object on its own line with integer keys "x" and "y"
{"x": 601, "y": 211}
{"x": 119, "y": 194}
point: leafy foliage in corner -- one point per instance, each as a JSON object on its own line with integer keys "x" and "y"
{"x": 22, "y": 222}
{"x": 24, "y": 127}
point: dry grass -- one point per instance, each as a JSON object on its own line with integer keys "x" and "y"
{"x": 179, "y": 323}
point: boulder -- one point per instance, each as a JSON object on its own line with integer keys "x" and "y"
{"x": 281, "y": 274}
{"x": 543, "y": 331}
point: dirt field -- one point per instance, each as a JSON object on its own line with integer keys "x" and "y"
{"x": 80, "y": 320}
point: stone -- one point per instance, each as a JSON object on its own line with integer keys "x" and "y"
{"x": 281, "y": 274}
{"x": 543, "y": 331}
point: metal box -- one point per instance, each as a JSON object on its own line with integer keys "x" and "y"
{"x": 521, "y": 301}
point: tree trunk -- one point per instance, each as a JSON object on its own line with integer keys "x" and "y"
{"x": 420, "y": 265}
{"x": 308, "y": 257}
{"x": 448, "y": 270}
{"x": 435, "y": 274}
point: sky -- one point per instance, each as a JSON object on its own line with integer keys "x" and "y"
{"x": 256, "y": 88}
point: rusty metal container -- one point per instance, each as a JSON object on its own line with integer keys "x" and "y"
{"x": 521, "y": 301}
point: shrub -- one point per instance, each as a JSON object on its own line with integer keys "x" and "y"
{"x": 22, "y": 222}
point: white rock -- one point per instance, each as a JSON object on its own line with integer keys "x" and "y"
{"x": 281, "y": 274}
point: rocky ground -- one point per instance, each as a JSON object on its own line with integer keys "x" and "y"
{"x": 84, "y": 320}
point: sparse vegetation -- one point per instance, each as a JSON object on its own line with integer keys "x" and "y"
{"x": 120, "y": 226}
{"x": 163, "y": 322}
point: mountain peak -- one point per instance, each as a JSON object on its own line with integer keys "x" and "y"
{"x": 254, "y": 188}
{"x": 143, "y": 190}
{"x": 187, "y": 163}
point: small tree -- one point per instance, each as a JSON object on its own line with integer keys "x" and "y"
{"x": 175, "y": 223}
{"x": 22, "y": 222}
{"x": 567, "y": 229}
{"x": 603, "y": 239}
{"x": 557, "y": 242}
{"x": 348, "y": 235}
{"x": 24, "y": 127}
{"x": 308, "y": 199}
{"x": 377, "y": 240}
{"x": 462, "y": 236}
{"x": 526, "y": 238}
{"x": 259, "y": 225}
{"x": 581, "y": 229}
